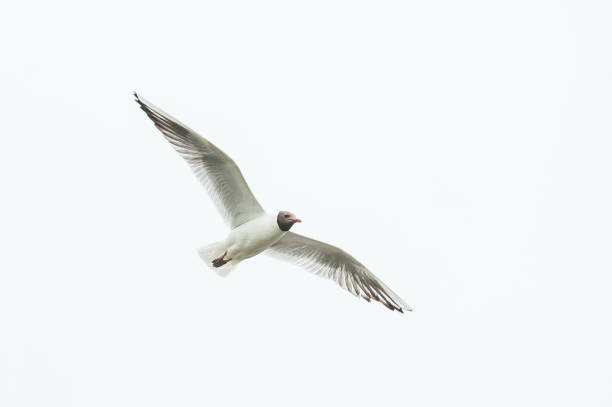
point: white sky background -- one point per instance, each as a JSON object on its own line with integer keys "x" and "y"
{"x": 461, "y": 150}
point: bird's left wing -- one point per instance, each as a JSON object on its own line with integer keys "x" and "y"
{"x": 216, "y": 170}
{"x": 331, "y": 262}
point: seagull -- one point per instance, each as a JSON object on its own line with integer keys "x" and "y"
{"x": 254, "y": 231}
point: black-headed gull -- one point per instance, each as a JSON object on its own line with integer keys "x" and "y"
{"x": 252, "y": 229}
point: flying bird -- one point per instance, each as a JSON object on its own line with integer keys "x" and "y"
{"x": 254, "y": 231}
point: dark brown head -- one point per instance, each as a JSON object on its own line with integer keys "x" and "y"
{"x": 285, "y": 220}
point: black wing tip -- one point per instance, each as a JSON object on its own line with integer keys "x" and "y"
{"x": 403, "y": 308}
{"x": 396, "y": 307}
{"x": 388, "y": 305}
{"x": 137, "y": 99}
{"x": 145, "y": 107}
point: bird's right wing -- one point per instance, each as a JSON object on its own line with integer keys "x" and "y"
{"x": 216, "y": 171}
{"x": 334, "y": 263}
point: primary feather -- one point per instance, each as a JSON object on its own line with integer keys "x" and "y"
{"x": 216, "y": 170}
{"x": 329, "y": 261}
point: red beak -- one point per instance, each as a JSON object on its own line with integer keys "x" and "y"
{"x": 297, "y": 220}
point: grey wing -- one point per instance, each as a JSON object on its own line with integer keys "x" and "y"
{"x": 334, "y": 263}
{"x": 216, "y": 170}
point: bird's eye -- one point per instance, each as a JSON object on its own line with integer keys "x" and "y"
{"x": 286, "y": 216}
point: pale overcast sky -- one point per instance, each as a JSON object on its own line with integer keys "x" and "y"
{"x": 461, "y": 150}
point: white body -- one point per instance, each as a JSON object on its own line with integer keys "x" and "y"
{"x": 252, "y": 238}
{"x": 244, "y": 241}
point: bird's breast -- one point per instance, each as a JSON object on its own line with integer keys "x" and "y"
{"x": 253, "y": 237}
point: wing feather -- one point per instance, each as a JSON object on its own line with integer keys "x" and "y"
{"x": 217, "y": 172}
{"x": 336, "y": 264}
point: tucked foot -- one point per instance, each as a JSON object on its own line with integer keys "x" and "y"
{"x": 219, "y": 261}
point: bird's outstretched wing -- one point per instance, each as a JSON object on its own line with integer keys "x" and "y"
{"x": 216, "y": 171}
{"x": 331, "y": 262}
